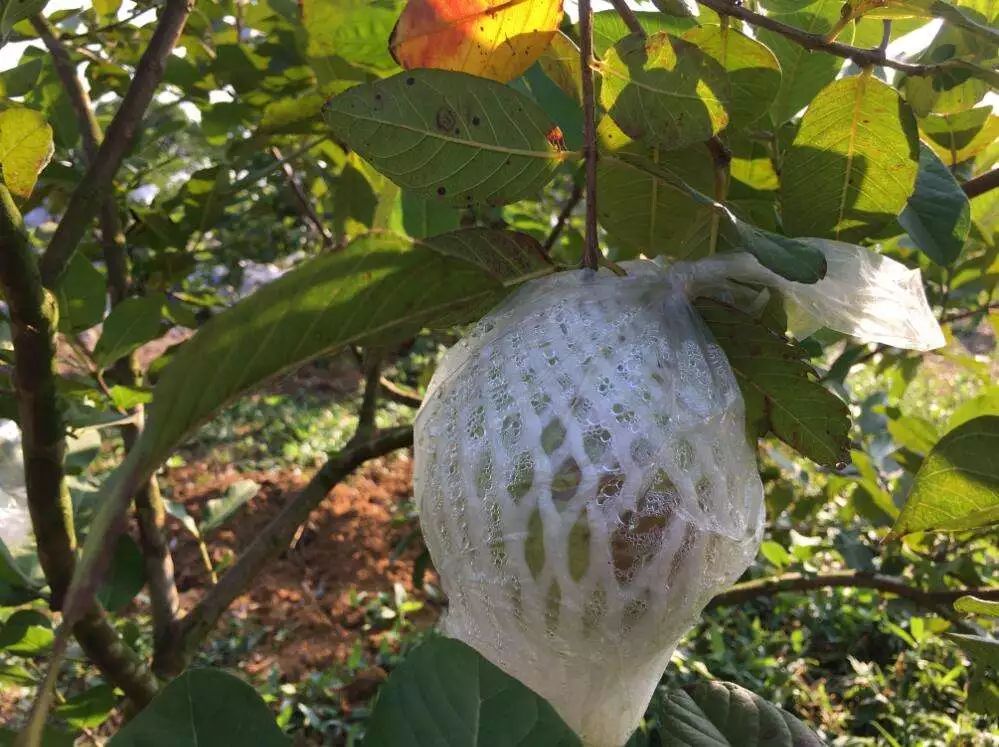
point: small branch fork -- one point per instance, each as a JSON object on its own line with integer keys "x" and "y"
{"x": 862, "y": 57}
{"x": 591, "y": 252}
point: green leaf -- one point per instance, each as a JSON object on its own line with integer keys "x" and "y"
{"x": 50, "y": 738}
{"x": 82, "y": 295}
{"x": 12, "y": 574}
{"x": 126, "y": 397}
{"x": 25, "y": 147}
{"x": 752, "y": 69}
{"x": 953, "y": 14}
{"x": 609, "y": 28}
{"x": 15, "y": 674}
{"x": 962, "y": 85}
{"x": 957, "y": 486}
{"x": 794, "y": 259}
{"x": 561, "y": 63}
{"x": 131, "y": 324}
{"x": 970, "y": 605}
{"x": 355, "y": 30}
{"x": 984, "y": 651}
{"x": 914, "y": 433}
{"x": 89, "y": 709}
{"x": 958, "y": 137}
{"x": 203, "y": 707}
{"x": 663, "y": 90}
{"x": 803, "y": 73}
{"x": 853, "y": 163}
{"x": 12, "y": 11}
{"x": 125, "y": 577}
{"x": 21, "y": 79}
{"x": 449, "y": 136}
{"x": 717, "y": 714}
{"x": 938, "y": 214}
{"x": 219, "y": 510}
{"x": 423, "y": 218}
{"x": 446, "y": 693}
{"x": 779, "y": 387}
{"x": 27, "y": 633}
{"x": 641, "y": 212}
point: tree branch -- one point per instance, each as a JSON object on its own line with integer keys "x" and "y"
{"x": 398, "y": 394}
{"x": 768, "y": 587}
{"x": 149, "y": 507}
{"x": 863, "y": 57}
{"x": 628, "y": 16}
{"x": 32, "y": 312}
{"x": 271, "y": 542}
{"x": 591, "y": 252}
{"x": 93, "y": 189}
{"x": 981, "y": 184}
{"x": 563, "y": 217}
{"x": 305, "y": 207}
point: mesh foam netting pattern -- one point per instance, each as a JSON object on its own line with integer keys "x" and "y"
{"x": 585, "y": 487}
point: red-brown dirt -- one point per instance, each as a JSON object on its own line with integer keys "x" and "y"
{"x": 347, "y": 545}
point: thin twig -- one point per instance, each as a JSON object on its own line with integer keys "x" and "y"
{"x": 862, "y": 57}
{"x": 627, "y": 15}
{"x": 274, "y": 539}
{"x": 794, "y": 582}
{"x": 93, "y": 189}
{"x": 372, "y": 365}
{"x": 564, "y": 215}
{"x": 305, "y": 207}
{"x": 721, "y": 158}
{"x": 591, "y": 252}
{"x": 391, "y": 390}
{"x": 981, "y": 183}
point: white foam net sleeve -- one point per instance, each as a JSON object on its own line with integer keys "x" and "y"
{"x": 15, "y": 523}
{"x": 585, "y": 486}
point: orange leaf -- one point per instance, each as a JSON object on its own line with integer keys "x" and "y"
{"x": 496, "y": 39}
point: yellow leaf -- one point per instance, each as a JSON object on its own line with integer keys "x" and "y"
{"x": 498, "y": 39}
{"x": 25, "y": 149}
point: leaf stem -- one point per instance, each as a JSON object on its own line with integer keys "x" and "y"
{"x": 591, "y": 252}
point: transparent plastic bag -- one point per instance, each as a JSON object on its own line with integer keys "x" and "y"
{"x": 15, "y": 523}
{"x": 584, "y": 480}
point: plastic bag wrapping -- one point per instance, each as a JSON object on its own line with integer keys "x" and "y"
{"x": 584, "y": 481}
{"x": 15, "y": 523}
{"x": 864, "y": 295}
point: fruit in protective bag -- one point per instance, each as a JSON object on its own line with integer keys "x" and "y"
{"x": 583, "y": 476}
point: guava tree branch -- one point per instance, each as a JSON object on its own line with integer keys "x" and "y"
{"x": 981, "y": 184}
{"x": 792, "y": 582}
{"x": 628, "y": 16}
{"x": 93, "y": 189}
{"x": 591, "y": 251}
{"x": 564, "y": 215}
{"x": 32, "y": 313}
{"x": 149, "y": 506}
{"x": 816, "y": 42}
{"x": 272, "y": 541}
